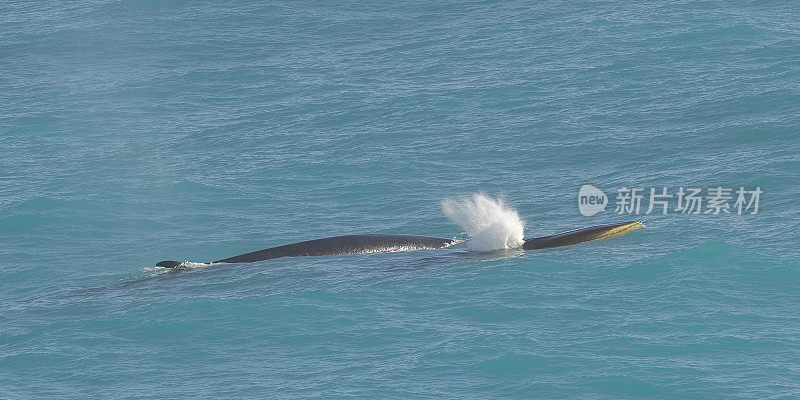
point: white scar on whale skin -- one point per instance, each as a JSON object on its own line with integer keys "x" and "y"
{"x": 490, "y": 223}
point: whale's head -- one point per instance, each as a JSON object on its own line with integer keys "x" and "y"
{"x": 600, "y": 232}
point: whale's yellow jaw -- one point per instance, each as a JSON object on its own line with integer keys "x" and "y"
{"x": 599, "y": 232}
{"x": 620, "y": 230}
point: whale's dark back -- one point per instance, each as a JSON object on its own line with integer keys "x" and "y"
{"x": 349, "y": 244}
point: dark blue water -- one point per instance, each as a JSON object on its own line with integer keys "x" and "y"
{"x": 138, "y": 131}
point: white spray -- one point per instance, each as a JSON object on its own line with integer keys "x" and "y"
{"x": 490, "y": 223}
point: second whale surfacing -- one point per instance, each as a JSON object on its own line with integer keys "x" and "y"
{"x": 377, "y": 243}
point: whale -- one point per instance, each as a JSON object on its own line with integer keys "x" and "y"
{"x": 384, "y": 243}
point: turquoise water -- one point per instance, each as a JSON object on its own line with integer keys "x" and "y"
{"x": 139, "y": 131}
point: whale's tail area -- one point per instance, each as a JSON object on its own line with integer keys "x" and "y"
{"x": 599, "y": 232}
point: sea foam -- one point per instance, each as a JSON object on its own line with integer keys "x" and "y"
{"x": 489, "y": 222}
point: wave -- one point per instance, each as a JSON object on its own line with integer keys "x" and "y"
{"x": 489, "y": 222}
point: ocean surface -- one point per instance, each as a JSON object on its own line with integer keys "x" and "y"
{"x": 138, "y": 131}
